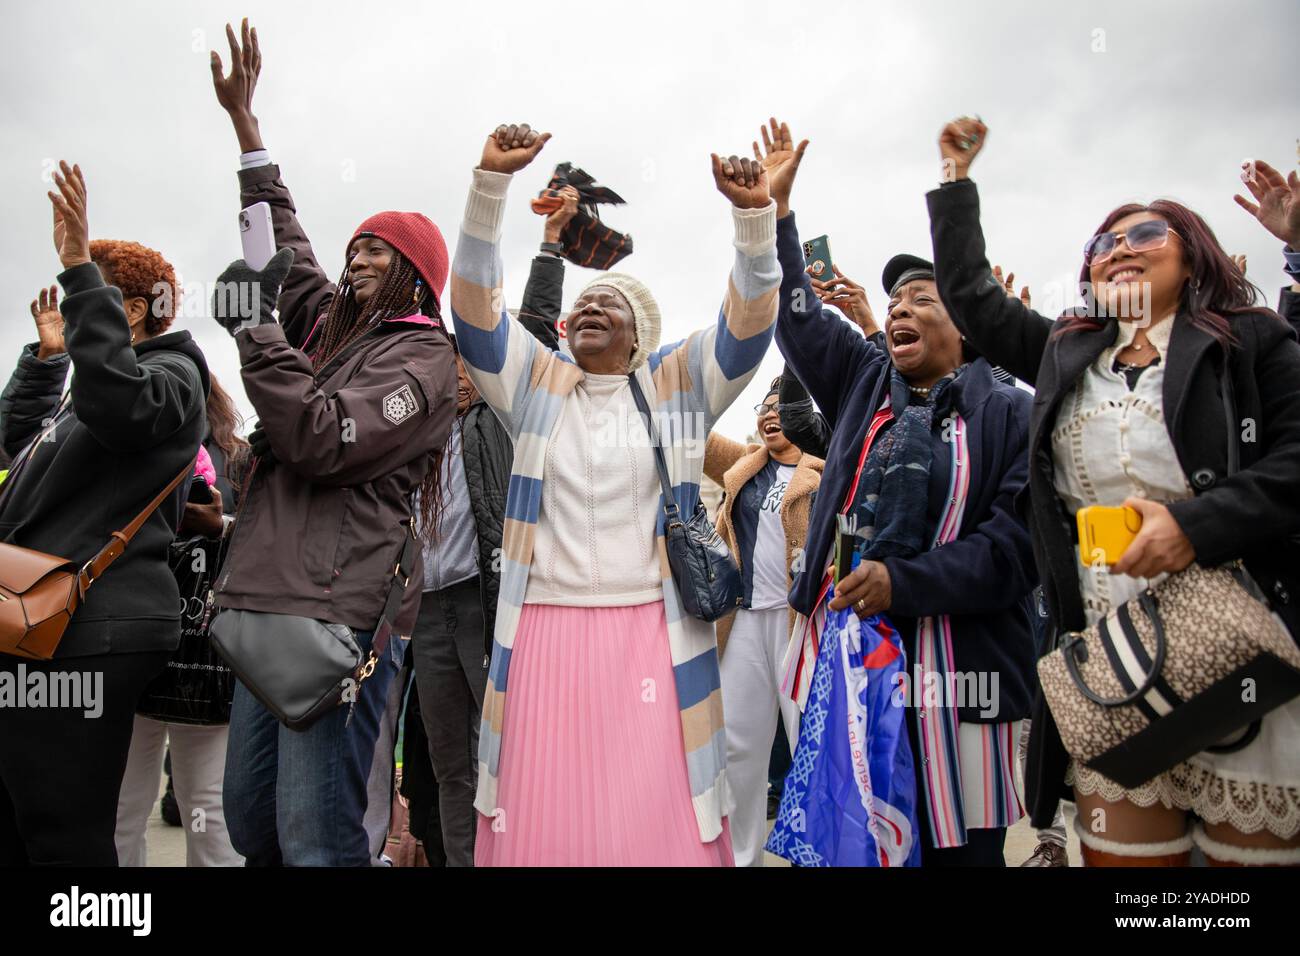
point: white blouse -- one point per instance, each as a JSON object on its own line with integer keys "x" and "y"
{"x": 1110, "y": 443}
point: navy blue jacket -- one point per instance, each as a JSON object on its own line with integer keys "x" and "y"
{"x": 981, "y": 579}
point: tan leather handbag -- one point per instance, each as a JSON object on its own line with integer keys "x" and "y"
{"x": 39, "y": 592}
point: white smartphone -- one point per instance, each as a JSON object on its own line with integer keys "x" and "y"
{"x": 257, "y": 235}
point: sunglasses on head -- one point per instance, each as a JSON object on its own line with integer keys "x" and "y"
{"x": 1144, "y": 237}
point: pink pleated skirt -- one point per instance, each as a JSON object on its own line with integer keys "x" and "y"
{"x": 592, "y": 769}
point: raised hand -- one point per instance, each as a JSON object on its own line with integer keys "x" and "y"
{"x": 235, "y": 92}
{"x": 742, "y": 181}
{"x": 959, "y": 143}
{"x": 780, "y": 159}
{"x": 49, "y": 323}
{"x": 510, "y": 148}
{"x": 849, "y": 297}
{"x": 557, "y": 220}
{"x": 1279, "y": 200}
{"x": 71, "y": 228}
{"x": 243, "y": 297}
{"x": 1009, "y": 286}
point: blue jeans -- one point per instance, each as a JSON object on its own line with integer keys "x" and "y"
{"x": 298, "y": 798}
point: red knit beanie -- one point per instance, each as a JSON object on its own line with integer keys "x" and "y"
{"x": 415, "y": 237}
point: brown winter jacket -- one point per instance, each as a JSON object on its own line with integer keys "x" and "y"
{"x": 320, "y": 531}
{"x": 732, "y": 465}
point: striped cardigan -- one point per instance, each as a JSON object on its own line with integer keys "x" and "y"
{"x": 689, "y": 383}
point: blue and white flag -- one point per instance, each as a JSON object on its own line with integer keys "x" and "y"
{"x": 850, "y": 795}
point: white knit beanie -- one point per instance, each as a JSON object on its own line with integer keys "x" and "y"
{"x": 645, "y": 312}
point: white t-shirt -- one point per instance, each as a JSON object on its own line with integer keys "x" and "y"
{"x": 771, "y": 582}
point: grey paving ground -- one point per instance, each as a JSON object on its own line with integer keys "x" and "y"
{"x": 1021, "y": 841}
{"x": 167, "y": 844}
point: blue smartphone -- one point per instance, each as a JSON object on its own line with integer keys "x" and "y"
{"x": 817, "y": 254}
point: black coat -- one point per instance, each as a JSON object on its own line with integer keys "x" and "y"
{"x": 487, "y": 454}
{"x": 135, "y": 416}
{"x": 802, "y": 424}
{"x": 487, "y": 450}
{"x": 1253, "y": 515}
{"x": 1288, "y": 306}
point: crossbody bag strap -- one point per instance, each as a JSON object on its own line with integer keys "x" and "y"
{"x": 397, "y": 585}
{"x": 16, "y": 466}
{"x": 96, "y": 566}
{"x": 670, "y": 503}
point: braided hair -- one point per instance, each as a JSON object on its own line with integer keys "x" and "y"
{"x": 401, "y": 292}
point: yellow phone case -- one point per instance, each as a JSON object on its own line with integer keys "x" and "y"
{"x": 1105, "y": 532}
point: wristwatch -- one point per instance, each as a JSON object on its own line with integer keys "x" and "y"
{"x": 553, "y": 248}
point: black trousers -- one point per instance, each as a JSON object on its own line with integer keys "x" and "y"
{"x": 451, "y": 674}
{"x": 61, "y": 765}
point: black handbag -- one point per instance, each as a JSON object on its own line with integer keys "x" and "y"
{"x": 301, "y": 668}
{"x": 707, "y": 578}
{"x": 197, "y": 686}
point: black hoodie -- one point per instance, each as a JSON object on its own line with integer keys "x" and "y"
{"x": 133, "y": 417}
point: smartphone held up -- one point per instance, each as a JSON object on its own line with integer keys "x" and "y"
{"x": 817, "y": 256}
{"x": 257, "y": 235}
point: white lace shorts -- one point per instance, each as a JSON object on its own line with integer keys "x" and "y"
{"x": 1257, "y": 788}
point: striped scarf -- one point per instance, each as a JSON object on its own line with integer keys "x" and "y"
{"x": 894, "y": 484}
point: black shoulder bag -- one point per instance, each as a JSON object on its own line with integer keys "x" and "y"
{"x": 301, "y": 668}
{"x": 707, "y": 578}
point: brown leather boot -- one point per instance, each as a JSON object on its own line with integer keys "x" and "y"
{"x": 1093, "y": 857}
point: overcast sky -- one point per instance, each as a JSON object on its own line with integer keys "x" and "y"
{"x": 385, "y": 106}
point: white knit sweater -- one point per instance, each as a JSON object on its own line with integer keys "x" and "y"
{"x": 595, "y": 539}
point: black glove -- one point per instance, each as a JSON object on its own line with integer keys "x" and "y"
{"x": 245, "y": 297}
{"x": 261, "y": 445}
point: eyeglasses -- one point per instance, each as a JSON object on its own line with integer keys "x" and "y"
{"x": 763, "y": 409}
{"x": 1144, "y": 237}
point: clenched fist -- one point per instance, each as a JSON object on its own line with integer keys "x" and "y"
{"x": 510, "y": 148}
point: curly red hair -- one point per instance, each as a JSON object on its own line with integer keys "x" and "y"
{"x": 140, "y": 272}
